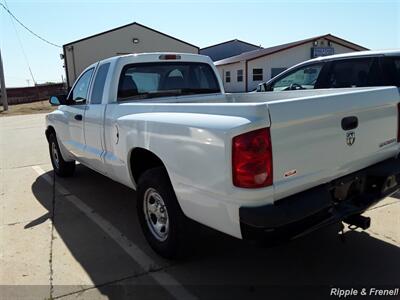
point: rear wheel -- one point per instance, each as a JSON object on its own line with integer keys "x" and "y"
{"x": 163, "y": 223}
{"x": 61, "y": 167}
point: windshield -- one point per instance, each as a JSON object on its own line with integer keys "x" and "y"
{"x": 163, "y": 79}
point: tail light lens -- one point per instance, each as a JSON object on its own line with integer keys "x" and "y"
{"x": 252, "y": 159}
{"x": 398, "y": 122}
{"x": 169, "y": 56}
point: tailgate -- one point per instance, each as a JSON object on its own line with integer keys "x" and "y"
{"x": 317, "y": 139}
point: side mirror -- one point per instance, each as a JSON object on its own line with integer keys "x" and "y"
{"x": 268, "y": 87}
{"x": 261, "y": 87}
{"x": 58, "y": 100}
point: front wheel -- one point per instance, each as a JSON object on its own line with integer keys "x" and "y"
{"x": 163, "y": 223}
{"x": 61, "y": 167}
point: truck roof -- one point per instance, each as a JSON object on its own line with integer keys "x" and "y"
{"x": 157, "y": 56}
{"x": 393, "y": 52}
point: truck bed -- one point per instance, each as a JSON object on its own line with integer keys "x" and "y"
{"x": 305, "y": 127}
{"x": 309, "y": 145}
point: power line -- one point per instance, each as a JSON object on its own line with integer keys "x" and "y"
{"x": 20, "y": 44}
{"x": 20, "y": 23}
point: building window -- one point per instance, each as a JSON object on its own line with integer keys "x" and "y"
{"x": 227, "y": 76}
{"x": 276, "y": 71}
{"x": 257, "y": 74}
{"x": 239, "y": 75}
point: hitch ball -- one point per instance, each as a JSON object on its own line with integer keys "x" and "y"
{"x": 358, "y": 221}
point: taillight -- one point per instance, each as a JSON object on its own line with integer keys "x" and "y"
{"x": 252, "y": 159}
{"x": 398, "y": 122}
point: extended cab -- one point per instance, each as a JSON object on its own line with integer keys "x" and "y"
{"x": 249, "y": 165}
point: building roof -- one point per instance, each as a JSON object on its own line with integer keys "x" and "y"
{"x": 228, "y": 49}
{"x": 127, "y": 25}
{"x": 271, "y": 50}
{"x": 231, "y": 41}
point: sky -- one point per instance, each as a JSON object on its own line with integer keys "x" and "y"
{"x": 372, "y": 24}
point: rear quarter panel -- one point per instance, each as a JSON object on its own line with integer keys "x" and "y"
{"x": 194, "y": 143}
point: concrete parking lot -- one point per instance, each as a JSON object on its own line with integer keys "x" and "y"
{"x": 84, "y": 242}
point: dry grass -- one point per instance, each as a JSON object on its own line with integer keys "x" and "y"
{"x": 28, "y": 108}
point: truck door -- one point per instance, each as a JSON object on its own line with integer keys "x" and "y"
{"x": 74, "y": 112}
{"x": 94, "y": 120}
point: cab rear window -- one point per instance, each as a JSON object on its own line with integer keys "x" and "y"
{"x": 163, "y": 79}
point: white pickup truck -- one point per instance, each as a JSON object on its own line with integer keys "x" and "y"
{"x": 249, "y": 165}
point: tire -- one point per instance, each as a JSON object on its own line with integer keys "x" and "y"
{"x": 154, "y": 185}
{"x": 61, "y": 167}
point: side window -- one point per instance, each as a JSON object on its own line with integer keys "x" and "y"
{"x": 98, "y": 86}
{"x": 79, "y": 94}
{"x": 397, "y": 66}
{"x": 303, "y": 78}
{"x": 391, "y": 70}
{"x": 351, "y": 73}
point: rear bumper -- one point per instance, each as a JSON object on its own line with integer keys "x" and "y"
{"x": 322, "y": 205}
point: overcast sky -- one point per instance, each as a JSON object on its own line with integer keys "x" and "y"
{"x": 372, "y": 24}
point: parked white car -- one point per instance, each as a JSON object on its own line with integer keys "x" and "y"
{"x": 248, "y": 165}
{"x": 355, "y": 69}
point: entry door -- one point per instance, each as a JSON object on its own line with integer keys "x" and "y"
{"x": 94, "y": 120}
{"x": 75, "y": 113}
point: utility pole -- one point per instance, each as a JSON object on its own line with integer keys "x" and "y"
{"x": 3, "y": 86}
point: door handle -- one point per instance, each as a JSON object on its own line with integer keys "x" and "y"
{"x": 349, "y": 123}
{"x": 78, "y": 117}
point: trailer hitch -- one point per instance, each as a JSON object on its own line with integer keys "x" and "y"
{"x": 358, "y": 221}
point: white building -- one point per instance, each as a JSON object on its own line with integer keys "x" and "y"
{"x": 245, "y": 71}
{"x": 130, "y": 38}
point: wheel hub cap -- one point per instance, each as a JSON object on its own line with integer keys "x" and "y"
{"x": 56, "y": 158}
{"x": 156, "y": 214}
